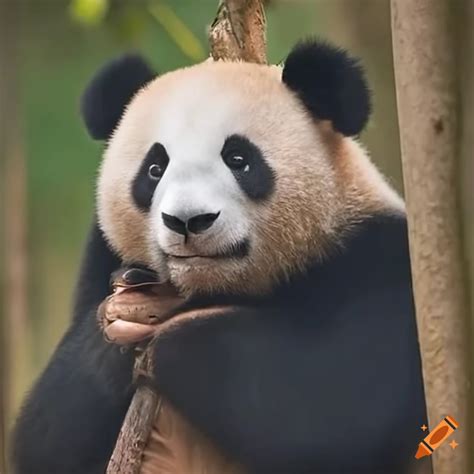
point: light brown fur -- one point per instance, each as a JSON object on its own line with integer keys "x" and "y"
{"x": 176, "y": 447}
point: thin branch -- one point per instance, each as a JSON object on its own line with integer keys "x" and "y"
{"x": 238, "y": 32}
{"x": 139, "y": 420}
{"x": 135, "y": 431}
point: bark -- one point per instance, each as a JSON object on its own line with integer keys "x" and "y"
{"x": 467, "y": 170}
{"x": 427, "y": 82}
{"x": 238, "y": 32}
{"x": 136, "y": 428}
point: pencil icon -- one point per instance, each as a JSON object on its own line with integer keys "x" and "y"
{"x": 436, "y": 437}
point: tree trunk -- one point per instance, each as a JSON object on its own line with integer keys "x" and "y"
{"x": 427, "y": 81}
{"x": 466, "y": 17}
{"x": 237, "y": 33}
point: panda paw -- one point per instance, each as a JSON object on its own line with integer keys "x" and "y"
{"x": 138, "y": 304}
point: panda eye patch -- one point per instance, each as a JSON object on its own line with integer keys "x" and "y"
{"x": 152, "y": 169}
{"x": 250, "y": 169}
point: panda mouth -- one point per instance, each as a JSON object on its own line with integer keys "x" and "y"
{"x": 238, "y": 250}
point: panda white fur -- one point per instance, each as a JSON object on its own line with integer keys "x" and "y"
{"x": 241, "y": 183}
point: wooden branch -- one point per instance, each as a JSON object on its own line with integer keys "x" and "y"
{"x": 238, "y": 32}
{"x": 136, "y": 428}
{"x": 424, "y": 42}
{"x": 144, "y": 408}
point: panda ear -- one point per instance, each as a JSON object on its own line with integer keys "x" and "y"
{"x": 109, "y": 92}
{"x": 330, "y": 83}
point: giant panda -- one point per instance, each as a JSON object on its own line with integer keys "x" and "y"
{"x": 244, "y": 184}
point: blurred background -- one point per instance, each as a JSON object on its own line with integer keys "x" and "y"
{"x": 48, "y": 51}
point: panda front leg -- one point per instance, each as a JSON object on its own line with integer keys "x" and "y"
{"x": 71, "y": 418}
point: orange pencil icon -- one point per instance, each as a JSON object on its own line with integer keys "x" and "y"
{"x": 436, "y": 437}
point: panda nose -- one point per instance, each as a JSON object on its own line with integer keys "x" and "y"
{"x": 195, "y": 224}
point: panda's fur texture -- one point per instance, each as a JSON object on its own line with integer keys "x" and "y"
{"x": 242, "y": 184}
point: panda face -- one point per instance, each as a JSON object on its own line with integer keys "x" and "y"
{"x": 197, "y": 207}
{"x": 219, "y": 178}
{"x": 230, "y": 176}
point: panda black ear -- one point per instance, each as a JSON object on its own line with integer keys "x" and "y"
{"x": 109, "y": 92}
{"x": 330, "y": 83}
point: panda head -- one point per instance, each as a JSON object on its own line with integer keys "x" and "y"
{"x": 225, "y": 176}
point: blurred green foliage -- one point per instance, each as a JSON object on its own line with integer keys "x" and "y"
{"x": 178, "y": 31}
{"x": 89, "y": 12}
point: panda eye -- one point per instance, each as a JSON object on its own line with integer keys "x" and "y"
{"x": 236, "y": 162}
{"x": 155, "y": 172}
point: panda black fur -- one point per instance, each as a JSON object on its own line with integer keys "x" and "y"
{"x": 316, "y": 368}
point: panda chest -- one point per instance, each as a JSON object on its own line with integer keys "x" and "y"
{"x": 177, "y": 447}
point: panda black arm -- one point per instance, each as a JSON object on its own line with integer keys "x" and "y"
{"x": 328, "y": 383}
{"x": 289, "y": 397}
{"x": 71, "y": 418}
